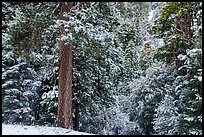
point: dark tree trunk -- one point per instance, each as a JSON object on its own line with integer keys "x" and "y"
{"x": 183, "y": 27}
{"x": 98, "y": 80}
{"x": 77, "y": 116}
{"x": 122, "y": 7}
{"x": 65, "y": 79}
{"x": 77, "y": 105}
{"x": 140, "y": 5}
{"x": 176, "y": 49}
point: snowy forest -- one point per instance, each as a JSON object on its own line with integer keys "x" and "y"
{"x": 107, "y": 68}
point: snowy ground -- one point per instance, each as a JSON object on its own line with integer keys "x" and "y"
{"x": 37, "y": 130}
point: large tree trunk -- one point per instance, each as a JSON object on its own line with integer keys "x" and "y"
{"x": 65, "y": 79}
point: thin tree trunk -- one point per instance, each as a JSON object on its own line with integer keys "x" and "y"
{"x": 140, "y": 5}
{"x": 76, "y": 122}
{"x": 122, "y": 7}
{"x": 98, "y": 81}
{"x": 77, "y": 116}
{"x": 176, "y": 48}
{"x": 65, "y": 79}
{"x": 187, "y": 26}
{"x": 189, "y": 31}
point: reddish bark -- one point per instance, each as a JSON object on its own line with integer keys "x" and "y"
{"x": 65, "y": 79}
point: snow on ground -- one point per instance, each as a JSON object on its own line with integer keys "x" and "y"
{"x": 8, "y": 129}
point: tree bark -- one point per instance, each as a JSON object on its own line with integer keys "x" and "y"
{"x": 65, "y": 79}
{"x": 122, "y": 7}
{"x": 176, "y": 49}
{"x": 77, "y": 116}
{"x": 183, "y": 25}
{"x": 98, "y": 80}
{"x": 140, "y": 5}
{"x": 77, "y": 105}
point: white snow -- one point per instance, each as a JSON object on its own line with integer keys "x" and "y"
{"x": 199, "y": 78}
{"x": 151, "y": 15}
{"x": 182, "y": 57}
{"x": 9, "y": 129}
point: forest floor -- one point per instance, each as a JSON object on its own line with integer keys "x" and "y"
{"x": 9, "y": 129}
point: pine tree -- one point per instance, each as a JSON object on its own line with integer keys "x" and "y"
{"x": 167, "y": 117}
{"x": 20, "y": 86}
{"x": 18, "y": 29}
{"x": 182, "y": 43}
{"x": 146, "y": 92}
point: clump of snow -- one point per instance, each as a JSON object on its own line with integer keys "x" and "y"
{"x": 193, "y": 52}
{"x": 182, "y": 57}
{"x": 9, "y": 129}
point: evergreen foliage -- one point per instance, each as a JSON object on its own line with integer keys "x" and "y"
{"x": 137, "y": 66}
